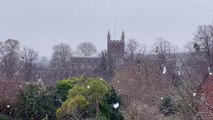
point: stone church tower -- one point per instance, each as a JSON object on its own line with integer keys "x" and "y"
{"x": 116, "y": 48}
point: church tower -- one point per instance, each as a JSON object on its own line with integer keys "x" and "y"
{"x": 116, "y": 48}
{"x": 108, "y": 36}
{"x": 122, "y": 36}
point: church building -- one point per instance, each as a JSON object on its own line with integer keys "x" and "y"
{"x": 89, "y": 65}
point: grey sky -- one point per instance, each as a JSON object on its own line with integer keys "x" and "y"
{"x": 40, "y": 24}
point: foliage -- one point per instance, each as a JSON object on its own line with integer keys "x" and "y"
{"x": 7, "y": 108}
{"x": 89, "y": 97}
{"x": 112, "y": 98}
{"x": 97, "y": 89}
{"x": 88, "y": 93}
{"x": 4, "y": 117}
{"x": 35, "y": 103}
{"x": 166, "y": 107}
{"x": 74, "y": 98}
{"x": 63, "y": 87}
{"x": 73, "y": 107}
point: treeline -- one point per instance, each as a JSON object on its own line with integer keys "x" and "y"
{"x": 70, "y": 99}
{"x": 165, "y": 84}
{"x": 22, "y": 63}
{"x": 153, "y": 80}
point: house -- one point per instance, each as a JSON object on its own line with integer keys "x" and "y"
{"x": 205, "y": 107}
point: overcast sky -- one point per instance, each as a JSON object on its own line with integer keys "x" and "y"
{"x": 40, "y": 24}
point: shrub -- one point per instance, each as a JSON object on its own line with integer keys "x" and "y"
{"x": 167, "y": 107}
{"x": 4, "y": 117}
{"x": 91, "y": 98}
{"x": 35, "y": 103}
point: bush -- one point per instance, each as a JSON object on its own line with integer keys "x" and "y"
{"x": 167, "y": 107}
{"x": 77, "y": 98}
{"x": 35, "y": 103}
{"x": 63, "y": 87}
{"x": 4, "y": 117}
{"x": 7, "y": 108}
{"x": 90, "y": 98}
{"x": 107, "y": 106}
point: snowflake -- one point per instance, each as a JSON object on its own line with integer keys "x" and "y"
{"x": 8, "y": 106}
{"x": 178, "y": 72}
{"x": 164, "y": 70}
{"x": 209, "y": 69}
{"x": 116, "y": 105}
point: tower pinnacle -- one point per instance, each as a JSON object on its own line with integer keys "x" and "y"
{"x": 122, "y": 36}
{"x": 108, "y": 36}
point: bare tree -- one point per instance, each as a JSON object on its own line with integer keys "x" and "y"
{"x": 44, "y": 61}
{"x": 1, "y": 57}
{"x": 87, "y": 48}
{"x": 29, "y": 57}
{"x": 107, "y": 67}
{"x": 204, "y": 42}
{"x": 61, "y": 59}
{"x": 132, "y": 48}
{"x": 9, "y": 56}
{"x": 43, "y": 71}
{"x": 164, "y": 50}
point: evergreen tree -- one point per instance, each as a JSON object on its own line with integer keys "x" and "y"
{"x": 166, "y": 107}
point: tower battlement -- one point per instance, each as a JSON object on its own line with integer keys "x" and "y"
{"x": 115, "y": 41}
{"x": 115, "y": 48}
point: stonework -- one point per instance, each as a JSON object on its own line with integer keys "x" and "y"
{"x": 116, "y": 48}
{"x": 89, "y": 66}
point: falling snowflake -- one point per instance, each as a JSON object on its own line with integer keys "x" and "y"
{"x": 39, "y": 80}
{"x": 116, "y": 105}
{"x": 164, "y": 70}
{"x": 88, "y": 87}
{"x": 194, "y": 94}
{"x": 178, "y": 72}
{"x": 8, "y": 106}
{"x": 209, "y": 69}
